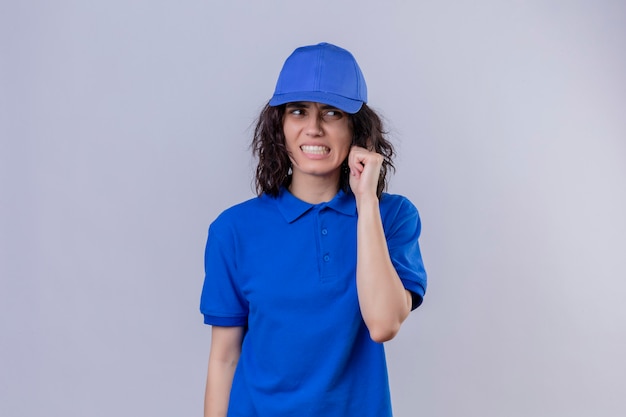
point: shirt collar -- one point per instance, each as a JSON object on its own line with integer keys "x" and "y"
{"x": 292, "y": 208}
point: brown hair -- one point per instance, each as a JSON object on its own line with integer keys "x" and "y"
{"x": 268, "y": 145}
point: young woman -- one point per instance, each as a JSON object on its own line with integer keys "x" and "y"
{"x": 306, "y": 281}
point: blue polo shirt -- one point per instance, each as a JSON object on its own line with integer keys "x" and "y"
{"x": 286, "y": 270}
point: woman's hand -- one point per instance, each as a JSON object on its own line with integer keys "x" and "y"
{"x": 364, "y": 171}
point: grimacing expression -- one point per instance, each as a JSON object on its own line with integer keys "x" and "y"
{"x": 318, "y": 138}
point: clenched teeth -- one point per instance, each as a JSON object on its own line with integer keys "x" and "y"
{"x": 314, "y": 149}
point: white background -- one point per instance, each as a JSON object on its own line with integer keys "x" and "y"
{"x": 125, "y": 128}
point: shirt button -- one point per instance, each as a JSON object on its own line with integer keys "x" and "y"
{"x": 326, "y": 258}
{"x": 324, "y": 232}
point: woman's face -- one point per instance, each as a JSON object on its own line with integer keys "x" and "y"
{"x": 318, "y": 138}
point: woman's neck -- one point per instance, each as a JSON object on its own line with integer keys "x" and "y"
{"x": 314, "y": 190}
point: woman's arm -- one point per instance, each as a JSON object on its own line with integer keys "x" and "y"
{"x": 383, "y": 300}
{"x": 225, "y": 352}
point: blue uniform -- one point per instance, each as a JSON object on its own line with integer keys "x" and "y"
{"x": 286, "y": 270}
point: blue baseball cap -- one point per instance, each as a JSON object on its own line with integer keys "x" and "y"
{"x": 323, "y": 73}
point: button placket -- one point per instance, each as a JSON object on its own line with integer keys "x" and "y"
{"x": 327, "y": 266}
{"x": 324, "y": 233}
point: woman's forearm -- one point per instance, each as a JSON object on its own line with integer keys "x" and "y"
{"x": 383, "y": 300}
{"x": 225, "y": 352}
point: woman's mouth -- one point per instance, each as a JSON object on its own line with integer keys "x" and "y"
{"x": 315, "y": 149}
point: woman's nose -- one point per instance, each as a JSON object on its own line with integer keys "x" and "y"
{"x": 314, "y": 127}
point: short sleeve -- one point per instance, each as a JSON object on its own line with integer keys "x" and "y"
{"x": 222, "y": 303}
{"x": 402, "y": 230}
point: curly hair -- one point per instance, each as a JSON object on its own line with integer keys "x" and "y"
{"x": 268, "y": 145}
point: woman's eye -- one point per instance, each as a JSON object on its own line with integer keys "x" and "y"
{"x": 333, "y": 114}
{"x": 297, "y": 112}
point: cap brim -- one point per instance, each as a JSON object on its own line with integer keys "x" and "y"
{"x": 342, "y": 103}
